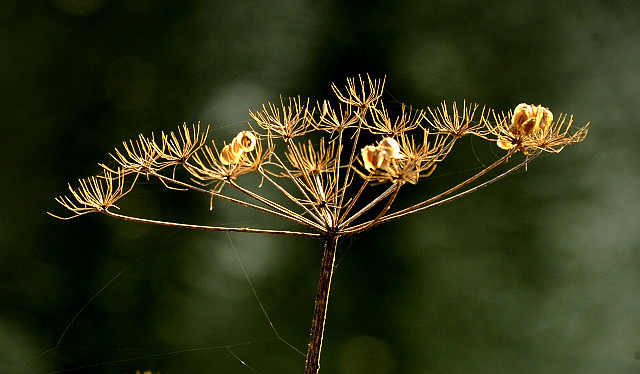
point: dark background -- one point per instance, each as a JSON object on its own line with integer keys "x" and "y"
{"x": 539, "y": 273}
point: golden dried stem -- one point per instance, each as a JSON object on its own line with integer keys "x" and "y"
{"x": 212, "y": 228}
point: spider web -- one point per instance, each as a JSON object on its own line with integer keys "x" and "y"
{"x": 244, "y": 354}
{"x": 243, "y": 337}
{"x": 262, "y": 345}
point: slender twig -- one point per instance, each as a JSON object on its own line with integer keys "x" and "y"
{"x": 280, "y": 212}
{"x": 384, "y": 210}
{"x": 307, "y": 178}
{"x": 436, "y": 202}
{"x": 211, "y": 228}
{"x": 395, "y": 187}
{"x": 275, "y": 206}
{"x": 466, "y": 192}
{"x": 302, "y": 190}
{"x": 289, "y": 195}
{"x": 454, "y": 188}
{"x": 336, "y": 177}
{"x": 349, "y": 173}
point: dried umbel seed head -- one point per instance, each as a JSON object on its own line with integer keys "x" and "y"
{"x": 374, "y": 158}
{"x": 391, "y": 147}
{"x": 245, "y": 141}
{"x": 526, "y": 121}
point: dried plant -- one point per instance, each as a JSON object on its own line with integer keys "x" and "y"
{"x": 322, "y": 183}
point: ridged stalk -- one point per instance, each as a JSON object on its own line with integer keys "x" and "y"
{"x": 322, "y": 302}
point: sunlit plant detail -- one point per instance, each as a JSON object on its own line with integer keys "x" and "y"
{"x": 531, "y": 128}
{"x": 244, "y": 142}
{"x": 336, "y": 167}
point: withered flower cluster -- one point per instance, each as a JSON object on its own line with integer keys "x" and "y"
{"x": 411, "y": 143}
{"x": 530, "y": 128}
{"x": 321, "y": 158}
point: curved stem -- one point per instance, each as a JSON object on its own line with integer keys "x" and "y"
{"x": 437, "y": 200}
{"x": 419, "y": 206}
{"x": 376, "y": 220}
{"x": 285, "y": 214}
{"x": 210, "y": 228}
{"x": 393, "y": 188}
{"x": 289, "y": 196}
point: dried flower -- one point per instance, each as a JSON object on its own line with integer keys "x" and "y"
{"x": 287, "y": 121}
{"x": 529, "y": 128}
{"x": 391, "y": 147}
{"x": 244, "y": 142}
{"x": 321, "y": 184}
{"x": 374, "y": 157}
{"x": 361, "y": 95}
{"x": 177, "y": 149}
{"x": 95, "y": 194}
{"x": 383, "y": 124}
{"x": 380, "y": 156}
{"x": 456, "y": 124}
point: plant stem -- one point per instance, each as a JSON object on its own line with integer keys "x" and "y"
{"x": 210, "y": 228}
{"x": 322, "y": 301}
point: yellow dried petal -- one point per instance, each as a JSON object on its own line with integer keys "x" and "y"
{"x": 527, "y": 126}
{"x": 229, "y": 155}
{"x": 544, "y": 118}
{"x": 374, "y": 158}
{"x": 504, "y": 144}
{"x": 246, "y": 140}
{"x": 391, "y": 147}
{"x": 530, "y": 118}
{"x": 521, "y": 114}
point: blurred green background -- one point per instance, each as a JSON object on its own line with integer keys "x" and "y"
{"x": 539, "y": 273}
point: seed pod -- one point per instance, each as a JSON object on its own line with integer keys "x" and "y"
{"x": 374, "y": 158}
{"x": 390, "y": 146}
{"x": 246, "y": 140}
{"x": 520, "y": 121}
{"x": 230, "y": 154}
{"x": 504, "y": 144}
{"x": 544, "y": 118}
{"x": 527, "y": 118}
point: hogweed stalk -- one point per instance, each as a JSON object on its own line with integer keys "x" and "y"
{"x": 324, "y": 186}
